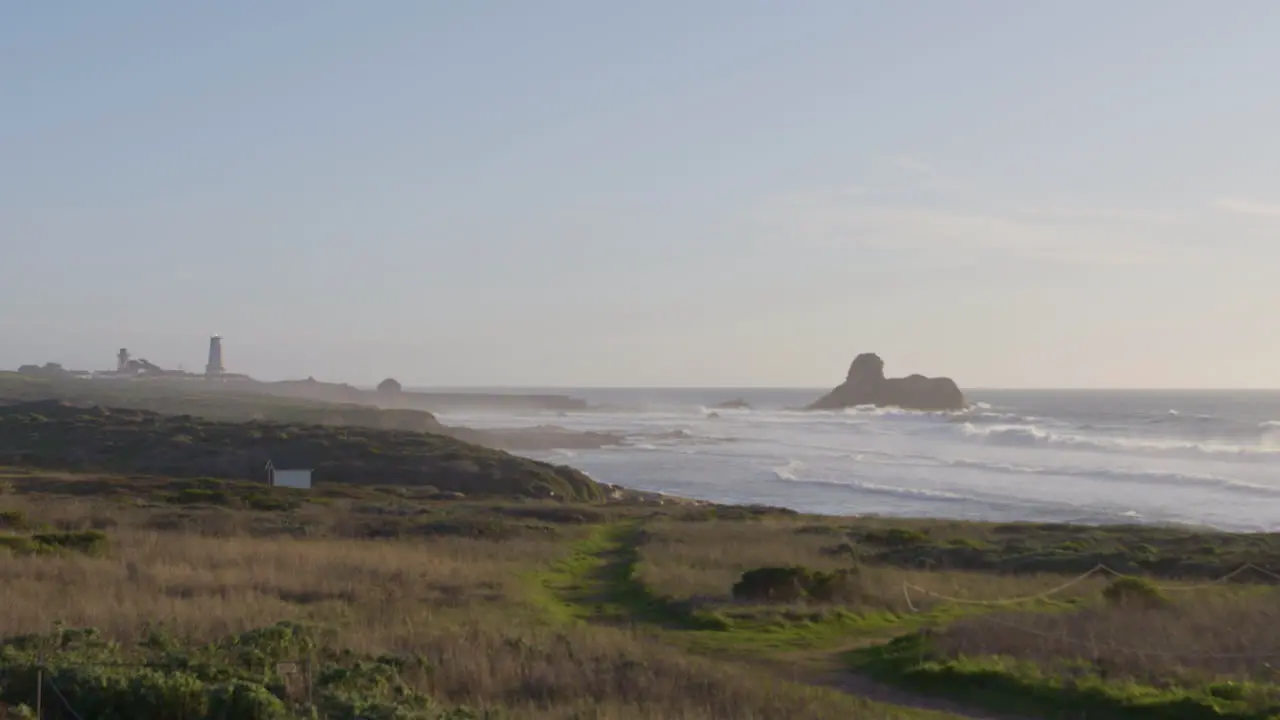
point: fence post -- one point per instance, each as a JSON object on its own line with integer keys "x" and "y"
{"x": 40, "y": 686}
{"x": 306, "y": 673}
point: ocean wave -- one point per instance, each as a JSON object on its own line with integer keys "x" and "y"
{"x": 668, "y": 438}
{"x": 1150, "y": 476}
{"x": 988, "y": 417}
{"x": 1174, "y": 416}
{"x": 1155, "y": 477}
{"x": 788, "y": 471}
{"x": 1021, "y": 435}
{"x": 860, "y": 486}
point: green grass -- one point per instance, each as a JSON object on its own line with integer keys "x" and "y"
{"x": 1019, "y": 548}
{"x": 86, "y": 542}
{"x": 1009, "y": 685}
{"x": 271, "y": 673}
{"x": 639, "y": 579}
{"x": 597, "y": 582}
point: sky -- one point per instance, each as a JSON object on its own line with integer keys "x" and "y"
{"x": 714, "y": 193}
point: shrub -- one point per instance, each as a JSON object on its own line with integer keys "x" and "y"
{"x": 17, "y": 544}
{"x": 238, "y": 678}
{"x": 89, "y": 542}
{"x": 556, "y": 514}
{"x": 830, "y": 530}
{"x": 835, "y": 586}
{"x": 896, "y": 538}
{"x": 201, "y": 496}
{"x": 842, "y": 550}
{"x": 776, "y": 584}
{"x": 240, "y": 699}
{"x": 790, "y": 584}
{"x": 1134, "y": 592}
{"x": 12, "y": 520}
{"x": 968, "y": 544}
{"x": 270, "y": 503}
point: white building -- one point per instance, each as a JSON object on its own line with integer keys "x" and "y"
{"x": 294, "y": 478}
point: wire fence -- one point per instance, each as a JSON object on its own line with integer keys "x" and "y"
{"x": 1093, "y": 644}
{"x": 1095, "y": 571}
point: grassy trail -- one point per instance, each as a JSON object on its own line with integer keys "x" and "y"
{"x": 597, "y": 584}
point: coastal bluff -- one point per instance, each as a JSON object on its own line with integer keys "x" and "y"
{"x": 866, "y": 385}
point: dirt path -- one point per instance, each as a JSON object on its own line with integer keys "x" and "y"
{"x": 824, "y": 669}
{"x": 606, "y": 584}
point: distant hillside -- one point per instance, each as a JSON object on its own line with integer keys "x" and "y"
{"x": 245, "y": 402}
{"x": 437, "y": 401}
{"x": 210, "y": 400}
{"x": 53, "y": 434}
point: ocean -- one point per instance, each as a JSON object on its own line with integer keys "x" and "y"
{"x": 1207, "y": 458}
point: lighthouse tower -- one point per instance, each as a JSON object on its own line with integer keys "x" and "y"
{"x": 215, "y": 357}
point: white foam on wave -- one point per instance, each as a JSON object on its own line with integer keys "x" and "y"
{"x": 788, "y": 471}
{"x": 880, "y": 489}
{"x": 1137, "y": 475}
{"x": 1175, "y": 415}
{"x": 1020, "y": 435}
{"x": 996, "y": 417}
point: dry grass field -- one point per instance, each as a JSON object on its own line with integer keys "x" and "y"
{"x": 701, "y": 561}
{"x": 472, "y": 612}
{"x": 399, "y": 606}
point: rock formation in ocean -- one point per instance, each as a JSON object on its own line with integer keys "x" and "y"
{"x": 867, "y": 385}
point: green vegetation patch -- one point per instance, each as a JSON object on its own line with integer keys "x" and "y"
{"x": 1011, "y": 685}
{"x": 86, "y": 542}
{"x": 795, "y": 583}
{"x": 597, "y": 582}
{"x": 1025, "y": 548}
{"x": 270, "y": 673}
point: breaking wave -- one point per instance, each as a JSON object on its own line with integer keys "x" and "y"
{"x": 861, "y": 486}
{"x": 788, "y": 471}
{"x": 1154, "y": 477}
{"x": 1021, "y": 435}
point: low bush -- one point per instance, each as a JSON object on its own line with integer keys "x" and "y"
{"x": 794, "y": 583}
{"x": 245, "y": 677}
{"x": 570, "y": 515}
{"x": 201, "y": 496}
{"x": 88, "y": 542}
{"x": 270, "y": 503}
{"x": 17, "y": 544}
{"x": 13, "y": 520}
{"x": 895, "y": 538}
{"x": 1134, "y": 592}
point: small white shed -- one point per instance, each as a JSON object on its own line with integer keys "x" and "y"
{"x": 294, "y": 478}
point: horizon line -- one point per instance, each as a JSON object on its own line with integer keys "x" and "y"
{"x": 757, "y": 388}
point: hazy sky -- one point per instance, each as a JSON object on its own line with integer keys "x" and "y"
{"x": 738, "y": 193}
